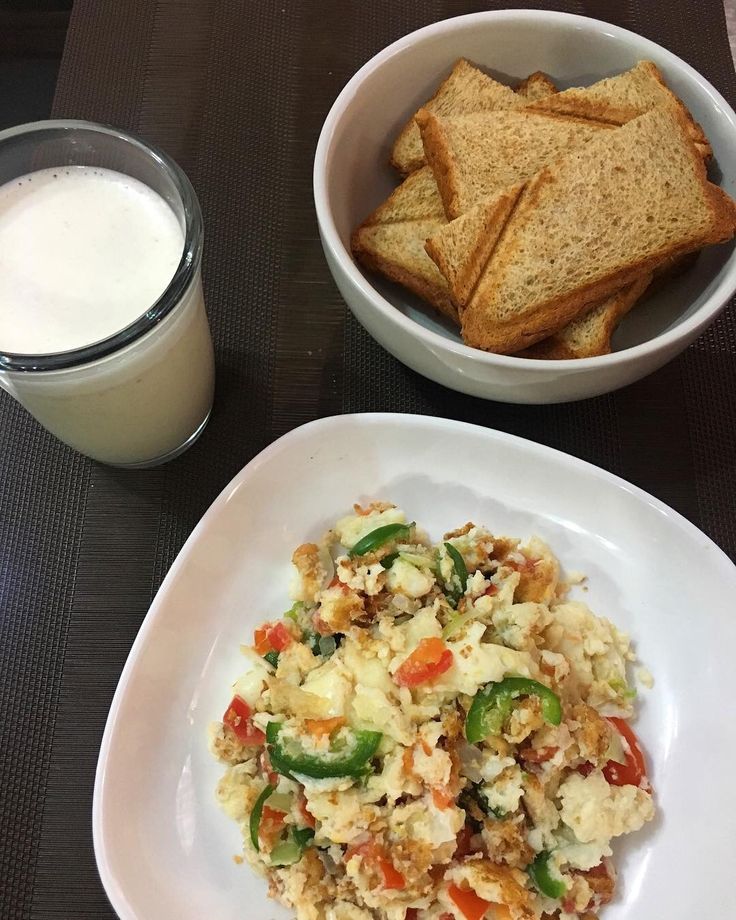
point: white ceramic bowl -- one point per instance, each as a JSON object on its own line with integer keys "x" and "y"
{"x": 352, "y": 176}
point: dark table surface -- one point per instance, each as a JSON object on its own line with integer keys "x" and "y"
{"x": 237, "y": 91}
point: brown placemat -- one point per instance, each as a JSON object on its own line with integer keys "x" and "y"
{"x": 237, "y": 92}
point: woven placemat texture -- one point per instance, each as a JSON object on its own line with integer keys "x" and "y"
{"x": 237, "y": 91}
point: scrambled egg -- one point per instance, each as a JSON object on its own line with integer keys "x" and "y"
{"x": 432, "y": 730}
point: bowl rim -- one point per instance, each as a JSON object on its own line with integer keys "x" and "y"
{"x": 685, "y": 331}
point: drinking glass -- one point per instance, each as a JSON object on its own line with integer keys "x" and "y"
{"x": 143, "y": 395}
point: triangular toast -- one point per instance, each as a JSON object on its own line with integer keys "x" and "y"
{"x": 466, "y": 89}
{"x": 536, "y": 86}
{"x": 590, "y": 335}
{"x": 616, "y": 100}
{"x": 473, "y": 156}
{"x": 583, "y": 228}
{"x": 391, "y": 240}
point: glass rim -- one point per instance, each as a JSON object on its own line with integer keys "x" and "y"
{"x": 186, "y": 270}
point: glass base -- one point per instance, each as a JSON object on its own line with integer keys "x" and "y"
{"x": 171, "y": 455}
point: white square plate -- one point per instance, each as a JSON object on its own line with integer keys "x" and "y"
{"x": 163, "y": 848}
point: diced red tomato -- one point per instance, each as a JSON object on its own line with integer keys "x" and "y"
{"x": 279, "y": 636}
{"x": 630, "y": 773}
{"x": 273, "y": 815}
{"x": 470, "y": 905}
{"x": 305, "y": 812}
{"x": 322, "y": 727}
{"x": 272, "y": 637}
{"x": 634, "y": 770}
{"x": 428, "y": 660}
{"x": 237, "y": 717}
{"x": 442, "y": 798}
{"x": 358, "y": 849}
{"x": 539, "y": 755}
{"x": 392, "y": 878}
{"x": 374, "y": 853}
{"x": 491, "y": 590}
{"x": 260, "y": 641}
{"x": 272, "y": 823}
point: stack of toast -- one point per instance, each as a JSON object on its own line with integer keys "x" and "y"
{"x": 536, "y": 219}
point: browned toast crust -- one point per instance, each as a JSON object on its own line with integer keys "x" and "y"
{"x": 465, "y": 81}
{"x": 576, "y": 102}
{"x": 495, "y": 215}
{"x": 450, "y": 165}
{"x": 590, "y": 335}
{"x": 440, "y": 160}
{"x": 436, "y": 295}
{"x": 546, "y": 317}
{"x": 536, "y": 86}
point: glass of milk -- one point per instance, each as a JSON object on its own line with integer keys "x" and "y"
{"x": 103, "y": 331}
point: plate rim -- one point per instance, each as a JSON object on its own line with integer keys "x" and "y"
{"x": 110, "y": 883}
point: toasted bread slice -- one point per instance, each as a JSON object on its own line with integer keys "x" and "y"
{"x": 417, "y": 198}
{"x": 583, "y": 228}
{"x": 473, "y": 156}
{"x": 466, "y": 89}
{"x": 590, "y": 335}
{"x": 397, "y": 252}
{"x": 462, "y": 248}
{"x": 536, "y": 86}
{"x": 616, "y": 100}
{"x": 391, "y": 240}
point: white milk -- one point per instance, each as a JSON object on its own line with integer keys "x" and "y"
{"x": 83, "y": 253}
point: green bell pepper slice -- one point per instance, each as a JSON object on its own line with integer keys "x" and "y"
{"x": 456, "y": 624}
{"x": 257, "y": 813}
{"x": 293, "y": 612}
{"x": 311, "y": 640}
{"x": 287, "y": 759}
{"x": 376, "y": 538}
{"x": 474, "y": 795}
{"x": 272, "y": 658}
{"x": 461, "y": 571}
{"x": 416, "y": 559}
{"x": 327, "y": 646}
{"x": 492, "y": 705}
{"x": 541, "y": 876}
{"x": 290, "y": 851}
